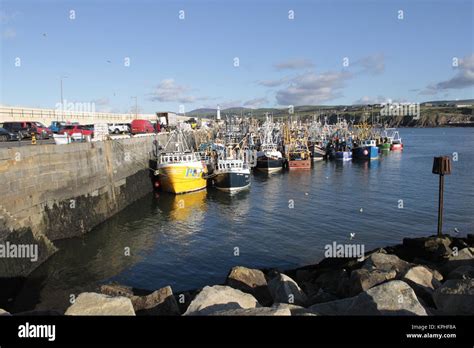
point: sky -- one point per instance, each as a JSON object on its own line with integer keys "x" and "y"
{"x": 182, "y": 55}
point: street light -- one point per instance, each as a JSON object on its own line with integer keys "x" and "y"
{"x": 62, "y": 99}
{"x": 136, "y": 106}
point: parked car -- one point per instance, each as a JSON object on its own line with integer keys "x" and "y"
{"x": 56, "y": 126}
{"x": 141, "y": 126}
{"x": 21, "y": 129}
{"x": 42, "y": 131}
{"x": 7, "y": 136}
{"x": 118, "y": 128}
{"x": 71, "y": 129}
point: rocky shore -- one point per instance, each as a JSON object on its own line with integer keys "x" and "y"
{"x": 421, "y": 276}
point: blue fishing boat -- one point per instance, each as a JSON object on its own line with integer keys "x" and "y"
{"x": 367, "y": 150}
{"x": 343, "y": 155}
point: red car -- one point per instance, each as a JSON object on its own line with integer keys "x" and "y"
{"x": 71, "y": 129}
{"x": 41, "y": 130}
{"x": 142, "y": 126}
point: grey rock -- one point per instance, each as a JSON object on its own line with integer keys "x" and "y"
{"x": 386, "y": 262}
{"x": 321, "y": 296}
{"x": 90, "y": 303}
{"x": 462, "y": 272}
{"x": 462, "y": 258}
{"x": 294, "y": 309}
{"x": 392, "y": 298}
{"x": 258, "y": 311}
{"x": 364, "y": 279}
{"x": 455, "y": 297}
{"x": 219, "y": 298}
{"x": 423, "y": 282}
{"x": 251, "y": 281}
{"x": 285, "y": 290}
{"x": 159, "y": 302}
{"x": 335, "y": 282}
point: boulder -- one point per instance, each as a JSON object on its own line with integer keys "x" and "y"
{"x": 364, "y": 279}
{"x": 392, "y": 298}
{"x": 258, "y": 311}
{"x": 219, "y": 298}
{"x": 250, "y": 281}
{"x": 455, "y": 297}
{"x": 386, "y": 262}
{"x": 334, "y": 282}
{"x": 90, "y": 303}
{"x": 116, "y": 290}
{"x": 285, "y": 290}
{"x": 4, "y": 312}
{"x": 423, "y": 282}
{"x": 159, "y": 302}
{"x": 321, "y": 296}
{"x": 462, "y": 272}
{"x": 429, "y": 248}
{"x": 294, "y": 309}
{"x": 461, "y": 258}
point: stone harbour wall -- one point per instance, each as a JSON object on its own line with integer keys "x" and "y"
{"x": 50, "y": 192}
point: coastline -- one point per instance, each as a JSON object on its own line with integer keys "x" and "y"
{"x": 420, "y": 276}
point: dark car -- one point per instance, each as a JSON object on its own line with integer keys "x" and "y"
{"x": 21, "y": 129}
{"x": 7, "y": 136}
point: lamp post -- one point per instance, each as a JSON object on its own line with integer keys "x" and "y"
{"x": 136, "y": 106}
{"x": 442, "y": 167}
{"x": 62, "y": 99}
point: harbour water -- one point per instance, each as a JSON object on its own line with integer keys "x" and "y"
{"x": 283, "y": 221}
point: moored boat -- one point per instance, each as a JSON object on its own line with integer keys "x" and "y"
{"x": 397, "y": 144}
{"x": 179, "y": 168}
{"x": 231, "y": 175}
{"x": 367, "y": 150}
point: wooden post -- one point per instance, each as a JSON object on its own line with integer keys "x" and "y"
{"x": 442, "y": 167}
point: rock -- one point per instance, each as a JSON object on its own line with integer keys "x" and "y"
{"x": 461, "y": 258}
{"x": 304, "y": 275}
{"x": 219, "y": 298}
{"x": 429, "y": 248}
{"x": 250, "y": 281}
{"x": 159, "y": 302}
{"x": 462, "y": 272}
{"x": 338, "y": 307}
{"x": 4, "y": 312}
{"x": 285, "y": 290}
{"x": 392, "y": 298}
{"x": 258, "y": 311}
{"x": 116, "y": 290}
{"x": 90, "y": 303}
{"x": 455, "y": 297}
{"x": 364, "y": 279}
{"x": 386, "y": 262}
{"x": 422, "y": 281}
{"x": 334, "y": 282}
{"x": 321, "y": 296}
{"x": 294, "y": 309}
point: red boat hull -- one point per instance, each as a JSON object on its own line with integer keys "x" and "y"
{"x": 396, "y": 147}
{"x": 300, "y": 164}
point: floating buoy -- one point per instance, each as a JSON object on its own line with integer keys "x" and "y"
{"x": 157, "y": 184}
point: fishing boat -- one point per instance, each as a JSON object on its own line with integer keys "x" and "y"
{"x": 179, "y": 168}
{"x": 231, "y": 175}
{"x": 397, "y": 144}
{"x": 299, "y": 157}
{"x": 367, "y": 150}
{"x": 269, "y": 158}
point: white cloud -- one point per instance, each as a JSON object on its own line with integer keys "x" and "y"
{"x": 313, "y": 88}
{"x": 8, "y": 34}
{"x": 373, "y": 64}
{"x": 255, "y": 103}
{"x": 294, "y": 64}
{"x": 169, "y": 91}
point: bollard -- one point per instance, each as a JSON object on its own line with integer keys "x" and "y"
{"x": 33, "y": 139}
{"x": 442, "y": 167}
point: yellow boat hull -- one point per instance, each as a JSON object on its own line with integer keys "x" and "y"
{"x": 182, "y": 177}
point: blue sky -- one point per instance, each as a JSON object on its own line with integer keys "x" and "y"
{"x": 190, "y": 61}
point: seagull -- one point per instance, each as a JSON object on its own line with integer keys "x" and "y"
{"x": 352, "y": 235}
{"x": 456, "y": 230}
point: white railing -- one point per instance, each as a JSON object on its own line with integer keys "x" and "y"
{"x": 15, "y": 114}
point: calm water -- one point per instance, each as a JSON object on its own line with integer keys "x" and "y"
{"x": 189, "y": 241}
